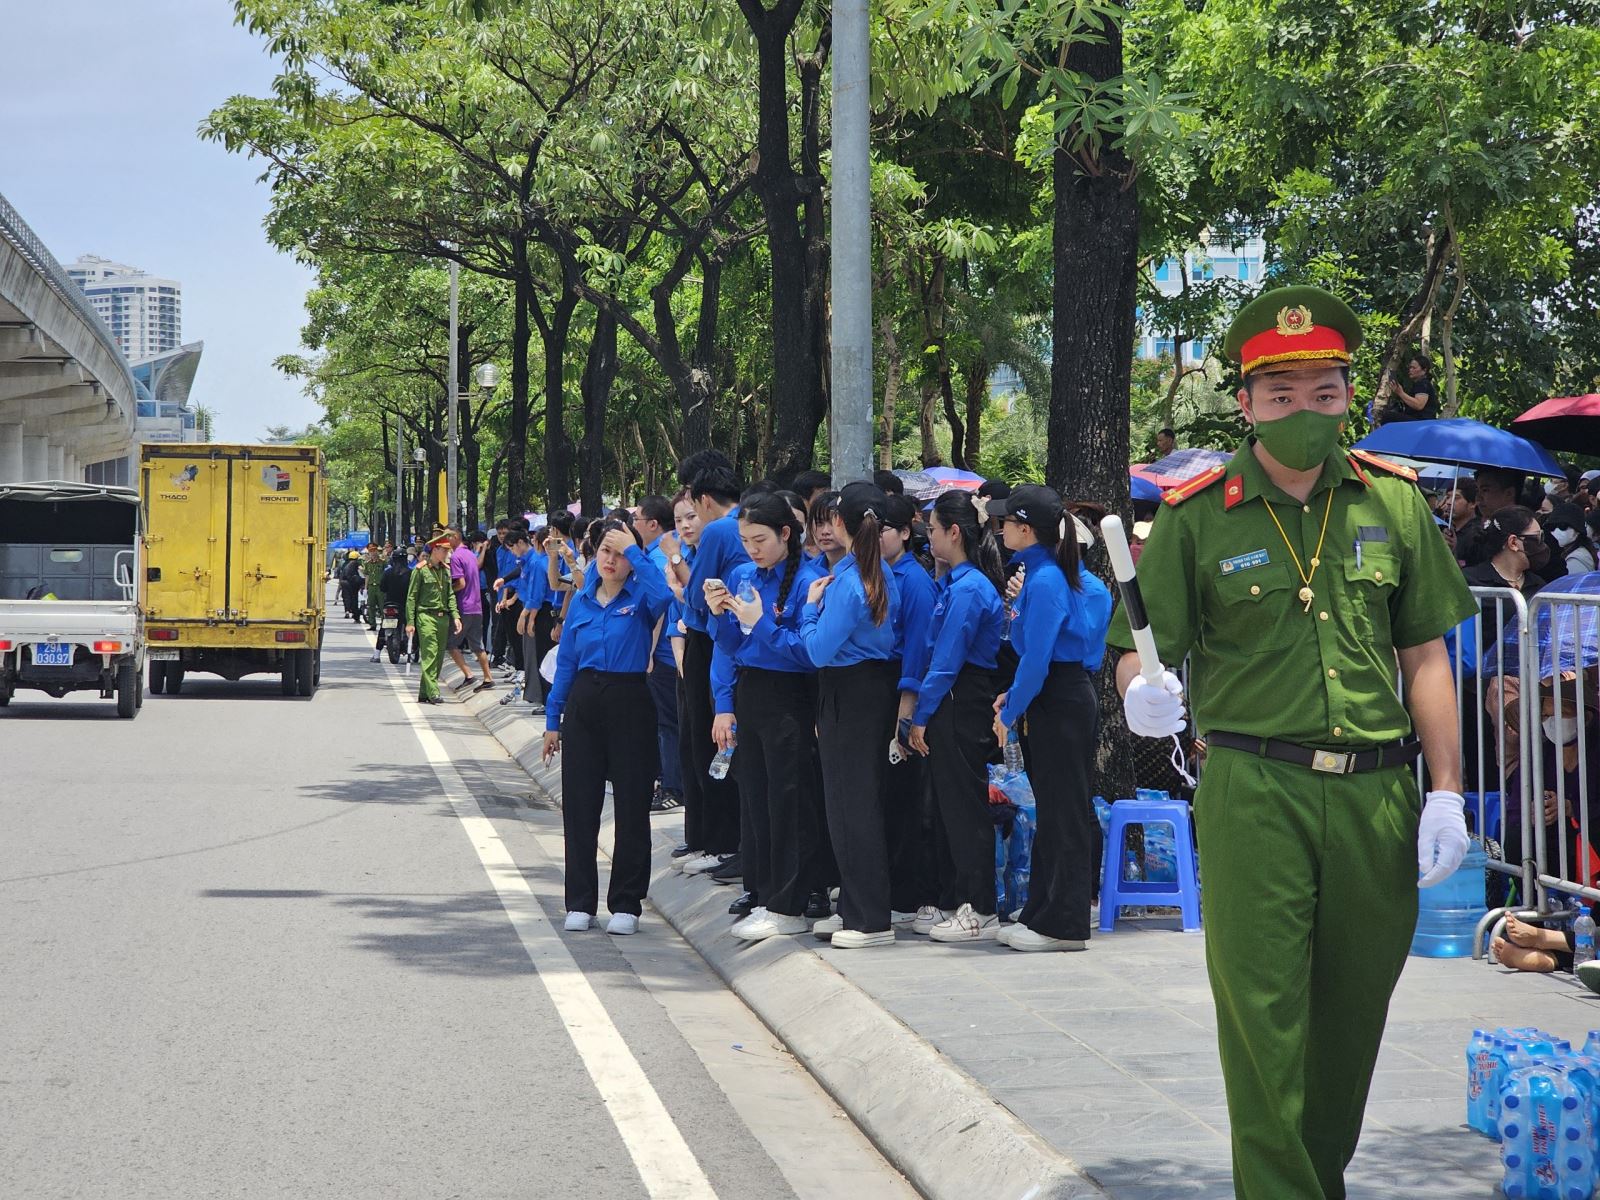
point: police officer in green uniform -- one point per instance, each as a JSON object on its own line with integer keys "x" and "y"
{"x": 430, "y": 602}
{"x": 372, "y": 569}
{"x": 1302, "y": 583}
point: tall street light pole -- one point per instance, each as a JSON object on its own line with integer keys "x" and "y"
{"x": 852, "y": 245}
{"x": 453, "y": 435}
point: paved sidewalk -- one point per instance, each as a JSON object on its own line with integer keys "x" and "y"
{"x": 1108, "y": 1058}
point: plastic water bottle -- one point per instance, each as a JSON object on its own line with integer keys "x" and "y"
{"x": 1542, "y": 1132}
{"x": 1019, "y": 856}
{"x": 1480, "y": 1070}
{"x": 1592, "y": 1047}
{"x": 1582, "y": 938}
{"x": 747, "y": 593}
{"x": 723, "y": 761}
{"x": 1014, "y": 763}
{"x": 1102, "y": 813}
{"x": 1448, "y": 913}
{"x": 1160, "y": 853}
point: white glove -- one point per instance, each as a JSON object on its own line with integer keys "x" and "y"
{"x": 1441, "y": 837}
{"x": 1155, "y": 710}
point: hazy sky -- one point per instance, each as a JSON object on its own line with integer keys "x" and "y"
{"x": 99, "y": 102}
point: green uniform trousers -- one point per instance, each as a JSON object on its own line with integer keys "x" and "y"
{"x": 432, "y": 630}
{"x": 1310, "y": 903}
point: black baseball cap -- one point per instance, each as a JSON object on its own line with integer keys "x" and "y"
{"x": 1032, "y": 504}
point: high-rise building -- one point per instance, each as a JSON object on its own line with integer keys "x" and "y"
{"x": 1245, "y": 262}
{"x": 144, "y": 312}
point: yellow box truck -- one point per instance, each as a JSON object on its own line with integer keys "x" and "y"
{"x": 235, "y": 538}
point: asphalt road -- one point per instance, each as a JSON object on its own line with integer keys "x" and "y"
{"x": 256, "y": 946}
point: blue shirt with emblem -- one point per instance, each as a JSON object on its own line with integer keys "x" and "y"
{"x": 718, "y": 552}
{"x": 1054, "y": 622}
{"x": 839, "y": 632}
{"x": 964, "y": 630}
{"x": 774, "y": 642}
{"x": 608, "y": 637}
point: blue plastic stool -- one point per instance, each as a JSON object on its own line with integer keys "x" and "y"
{"x": 1493, "y": 819}
{"x": 1115, "y": 891}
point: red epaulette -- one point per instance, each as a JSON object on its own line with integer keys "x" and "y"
{"x": 1195, "y": 486}
{"x": 1382, "y": 464}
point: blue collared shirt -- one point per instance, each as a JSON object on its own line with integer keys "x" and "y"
{"x": 532, "y": 584}
{"x": 504, "y": 557}
{"x": 911, "y": 620}
{"x": 663, "y": 654}
{"x": 1054, "y": 623}
{"x": 608, "y": 637}
{"x": 968, "y": 616}
{"x": 718, "y": 552}
{"x": 840, "y": 632}
{"x": 774, "y": 642}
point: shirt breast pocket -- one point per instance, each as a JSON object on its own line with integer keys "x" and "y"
{"x": 1371, "y": 583}
{"x": 1255, "y": 613}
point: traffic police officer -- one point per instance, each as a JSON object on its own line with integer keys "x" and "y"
{"x": 430, "y": 602}
{"x": 1293, "y": 579}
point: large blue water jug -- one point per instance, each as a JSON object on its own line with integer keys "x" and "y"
{"x": 1449, "y": 912}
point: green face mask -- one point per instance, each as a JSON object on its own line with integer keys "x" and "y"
{"x": 1301, "y": 440}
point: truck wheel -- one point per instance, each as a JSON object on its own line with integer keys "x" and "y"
{"x": 316, "y": 670}
{"x": 174, "y": 679}
{"x": 306, "y": 673}
{"x": 5, "y": 698}
{"x": 290, "y": 681}
{"x": 158, "y": 678}
{"x": 127, "y": 690}
{"x": 138, "y": 697}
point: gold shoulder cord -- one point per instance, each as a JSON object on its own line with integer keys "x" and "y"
{"x": 1306, "y": 594}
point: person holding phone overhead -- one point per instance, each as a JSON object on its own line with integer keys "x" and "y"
{"x": 848, "y": 630}
{"x": 597, "y": 705}
{"x": 1059, "y": 632}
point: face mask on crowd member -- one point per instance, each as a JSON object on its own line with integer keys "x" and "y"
{"x": 1297, "y": 415}
{"x": 1515, "y": 542}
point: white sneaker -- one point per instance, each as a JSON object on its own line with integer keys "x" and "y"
{"x": 699, "y": 866}
{"x": 754, "y": 915}
{"x": 684, "y": 860}
{"x": 377, "y": 656}
{"x": 577, "y": 922}
{"x": 769, "y": 924}
{"x": 1023, "y": 938}
{"x": 622, "y": 924}
{"x": 1004, "y": 936}
{"x": 901, "y": 918}
{"x": 927, "y": 917}
{"x": 966, "y": 926}
{"x": 855, "y": 939}
{"x": 828, "y": 926}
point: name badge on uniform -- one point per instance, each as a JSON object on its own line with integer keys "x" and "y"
{"x": 1243, "y": 562}
{"x": 1372, "y": 533}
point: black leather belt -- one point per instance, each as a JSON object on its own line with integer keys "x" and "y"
{"x": 1329, "y": 762}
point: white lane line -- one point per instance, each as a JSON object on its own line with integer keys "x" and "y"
{"x": 661, "y": 1156}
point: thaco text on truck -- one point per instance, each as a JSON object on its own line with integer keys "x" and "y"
{"x": 235, "y": 538}
{"x": 70, "y": 554}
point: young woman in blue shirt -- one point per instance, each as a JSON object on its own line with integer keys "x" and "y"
{"x": 764, "y": 679}
{"x": 952, "y": 721}
{"x": 597, "y": 705}
{"x": 848, "y": 631}
{"x": 1059, "y": 631}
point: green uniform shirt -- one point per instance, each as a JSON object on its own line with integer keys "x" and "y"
{"x": 430, "y": 592}
{"x": 374, "y": 573}
{"x": 1222, "y": 590}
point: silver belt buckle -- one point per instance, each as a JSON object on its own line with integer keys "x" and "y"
{"x": 1332, "y": 762}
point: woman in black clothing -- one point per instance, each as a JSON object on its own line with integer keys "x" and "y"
{"x": 1514, "y": 550}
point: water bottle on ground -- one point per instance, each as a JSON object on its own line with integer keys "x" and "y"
{"x": 1582, "y": 939}
{"x": 1592, "y": 1046}
{"x": 747, "y": 593}
{"x": 1448, "y": 913}
{"x": 1542, "y": 1131}
{"x": 723, "y": 761}
{"x": 1480, "y": 1069}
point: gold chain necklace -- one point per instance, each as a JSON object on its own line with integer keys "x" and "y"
{"x": 1306, "y": 594}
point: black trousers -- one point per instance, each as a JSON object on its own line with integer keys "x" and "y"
{"x": 544, "y": 623}
{"x": 960, "y": 744}
{"x": 1062, "y": 724}
{"x": 777, "y": 743}
{"x": 664, "y": 689}
{"x": 856, "y": 707}
{"x": 507, "y": 641}
{"x": 908, "y": 816}
{"x": 600, "y": 740}
{"x": 710, "y": 806}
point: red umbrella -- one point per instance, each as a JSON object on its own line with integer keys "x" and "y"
{"x": 1569, "y": 423}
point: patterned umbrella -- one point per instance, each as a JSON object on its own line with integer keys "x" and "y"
{"x": 941, "y": 480}
{"x": 1186, "y": 464}
{"x": 917, "y": 482}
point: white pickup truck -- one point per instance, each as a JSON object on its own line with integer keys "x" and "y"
{"x": 70, "y": 556}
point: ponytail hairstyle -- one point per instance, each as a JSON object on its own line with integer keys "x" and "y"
{"x": 1051, "y": 524}
{"x": 771, "y": 510}
{"x": 956, "y": 511}
{"x": 860, "y": 506}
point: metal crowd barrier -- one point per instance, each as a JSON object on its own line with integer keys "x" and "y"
{"x": 1552, "y": 632}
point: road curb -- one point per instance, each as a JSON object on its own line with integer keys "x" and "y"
{"x": 928, "y": 1117}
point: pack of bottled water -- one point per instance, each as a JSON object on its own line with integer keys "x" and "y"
{"x": 1013, "y": 856}
{"x": 1541, "y": 1100}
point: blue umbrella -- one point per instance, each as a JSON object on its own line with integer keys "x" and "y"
{"x": 1140, "y": 488}
{"x": 352, "y": 541}
{"x": 1464, "y": 443}
{"x": 1568, "y": 636}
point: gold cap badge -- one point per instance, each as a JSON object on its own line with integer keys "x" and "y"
{"x": 1294, "y": 321}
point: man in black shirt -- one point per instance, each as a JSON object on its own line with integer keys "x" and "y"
{"x": 1417, "y": 400}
